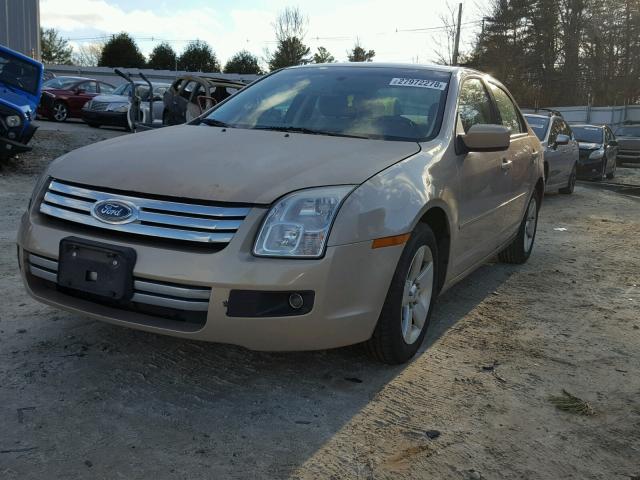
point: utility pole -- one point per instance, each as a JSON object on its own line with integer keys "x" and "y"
{"x": 456, "y": 49}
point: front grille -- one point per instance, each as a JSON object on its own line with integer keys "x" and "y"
{"x": 98, "y": 106}
{"x": 584, "y": 155}
{"x": 188, "y": 222}
{"x": 149, "y": 292}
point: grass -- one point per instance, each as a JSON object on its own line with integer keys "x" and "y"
{"x": 572, "y": 404}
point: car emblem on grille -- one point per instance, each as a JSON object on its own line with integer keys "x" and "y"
{"x": 115, "y": 212}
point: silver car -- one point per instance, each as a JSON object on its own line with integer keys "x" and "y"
{"x": 322, "y": 206}
{"x": 560, "y": 150}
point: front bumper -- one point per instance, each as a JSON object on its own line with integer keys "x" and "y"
{"x": 114, "y": 119}
{"x": 10, "y": 147}
{"x": 350, "y": 284}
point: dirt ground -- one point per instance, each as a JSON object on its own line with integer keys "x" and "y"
{"x": 83, "y": 399}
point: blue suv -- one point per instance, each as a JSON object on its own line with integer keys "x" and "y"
{"x": 20, "y": 86}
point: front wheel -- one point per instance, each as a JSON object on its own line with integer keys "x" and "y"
{"x": 407, "y": 308}
{"x": 571, "y": 184}
{"x": 520, "y": 248}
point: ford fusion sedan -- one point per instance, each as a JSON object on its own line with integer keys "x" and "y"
{"x": 321, "y": 206}
{"x": 560, "y": 150}
{"x": 64, "y": 97}
{"x": 598, "y": 151}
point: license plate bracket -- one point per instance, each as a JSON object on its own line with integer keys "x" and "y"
{"x": 96, "y": 268}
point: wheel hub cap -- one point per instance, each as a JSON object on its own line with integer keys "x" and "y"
{"x": 417, "y": 294}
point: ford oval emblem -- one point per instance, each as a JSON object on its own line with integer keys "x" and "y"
{"x": 115, "y": 212}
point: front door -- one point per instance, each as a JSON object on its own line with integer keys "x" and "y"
{"x": 483, "y": 183}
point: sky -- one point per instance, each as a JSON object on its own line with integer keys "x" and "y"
{"x": 395, "y": 30}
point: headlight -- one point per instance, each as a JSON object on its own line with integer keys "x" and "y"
{"x": 118, "y": 107}
{"x": 596, "y": 154}
{"x": 298, "y": 225}
{"x": 13, "y": 121}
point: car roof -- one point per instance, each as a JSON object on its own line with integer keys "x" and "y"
{"x": 586, "y": 125}
{"x": 535, "y": 115}
{"x": 71, "y": 78}
{"x": 414, "y": 66}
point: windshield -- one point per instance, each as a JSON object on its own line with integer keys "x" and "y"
{"x": 17, "y": 73}
{"x": 61, "y": 83}
{"x": 628, "y": 131}
{"x": 538, "y": 125}
{"x": 588, "y": 134}
{"x": 381, "y": 103}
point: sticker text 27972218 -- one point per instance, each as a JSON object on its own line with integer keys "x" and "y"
{"x": 418, "y": 82}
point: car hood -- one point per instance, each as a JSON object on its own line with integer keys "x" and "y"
{"x": 589, "y": 146}
{"x": 629, "y": 143}
{"x": 231, "y": 165}
{"x": 111, "y": 98}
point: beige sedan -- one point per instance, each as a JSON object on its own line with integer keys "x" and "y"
{"x": 321, "y": 206}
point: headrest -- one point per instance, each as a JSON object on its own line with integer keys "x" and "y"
{"x": 333, "y": 105}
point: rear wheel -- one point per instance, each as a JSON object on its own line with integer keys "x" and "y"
{"x": 520, "y": 248}
{"x": 59, "y": 112}
{"x": 406, "y": 312}
{"x": 571, "y": 184}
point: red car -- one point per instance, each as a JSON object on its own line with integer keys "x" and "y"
{"x": 64, "y": 97}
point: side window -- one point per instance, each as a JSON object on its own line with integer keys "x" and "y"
{"x": 508, "y": 111}
{"x": 106, "y": 88}
{"x": 187, "y": 89}
{"x": 89, "y": 87}
{"x": 474, "y": 106}
{"x": 556, "y": 128}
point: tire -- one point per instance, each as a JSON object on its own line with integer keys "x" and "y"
{"x": 59, "y": 112}
{"x": 613, "y": 170}
{"x": 398, "y": 335}
{"x": 571, "y": 184}
{"x": 520, "y": 248}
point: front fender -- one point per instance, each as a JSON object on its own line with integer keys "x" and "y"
{"x": 393, "y": 201}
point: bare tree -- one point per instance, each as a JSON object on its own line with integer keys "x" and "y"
{"x": 445, "y": 40}
{"x": 291, "y": 22}
{"x": 87, "y": 55}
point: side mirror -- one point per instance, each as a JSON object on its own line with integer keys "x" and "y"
{"x": 613, "y": 143}
{"x": 562, "y": 139}
{"x": 487, "y": 138}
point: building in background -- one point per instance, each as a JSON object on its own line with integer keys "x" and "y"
{"x": 20, "y": 26}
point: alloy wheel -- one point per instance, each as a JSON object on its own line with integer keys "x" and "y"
{"x": 417, "y": 293}
{"x": 60, "y": 112}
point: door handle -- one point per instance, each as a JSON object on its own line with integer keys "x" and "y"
{"x": 506, "y": 164}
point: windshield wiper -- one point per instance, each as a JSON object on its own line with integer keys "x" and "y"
{"x": 215, "y": 123}
{"x": 309, "y": 131}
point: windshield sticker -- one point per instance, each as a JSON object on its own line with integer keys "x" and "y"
{"x": 418, "y": 82}
{"x": 592, "y": 129}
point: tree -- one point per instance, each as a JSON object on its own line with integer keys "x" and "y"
{"x": 359, "y": 54}
{"x": 323, "y": 56}
{"x": 121, "y": 51}
{"x": 88, "y": 55}
{"x": 243, "y": 62}
{"x": 199, "y": 57}
{"x": 54, "y": 48}
{"x": 444, "y": 48}
{"x": 290, "y": 29}
{"x": 162, "y": 57}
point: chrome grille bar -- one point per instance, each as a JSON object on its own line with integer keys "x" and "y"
{"x": 155, "y": 218}
{"x": 169, "y": 295}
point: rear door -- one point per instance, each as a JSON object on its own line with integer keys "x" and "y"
{"x": 483, "y": 182}
{"x": 519, "y": 157}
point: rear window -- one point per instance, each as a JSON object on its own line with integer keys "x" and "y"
{"x": 539, "y": 125}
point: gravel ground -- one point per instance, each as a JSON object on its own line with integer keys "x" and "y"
{"x": 83, "y": 399}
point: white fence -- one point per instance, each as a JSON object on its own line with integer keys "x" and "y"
{"x": 601, "y": 115}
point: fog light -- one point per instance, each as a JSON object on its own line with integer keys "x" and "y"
{"x": 11, "y": 135}
{"x": 296, "y": 301}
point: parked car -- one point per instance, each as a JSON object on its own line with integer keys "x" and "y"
{"x": 64, "y": 97}
{"x": 598, "y": 151}
{"x": 628, "y": 137}
{"x": 20, "y": 84}
{"x": 112, "y": 109}
{"x": 560, "y": 149}
{"x": 189, "y": 96}
{"x": 321, "y": 206}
